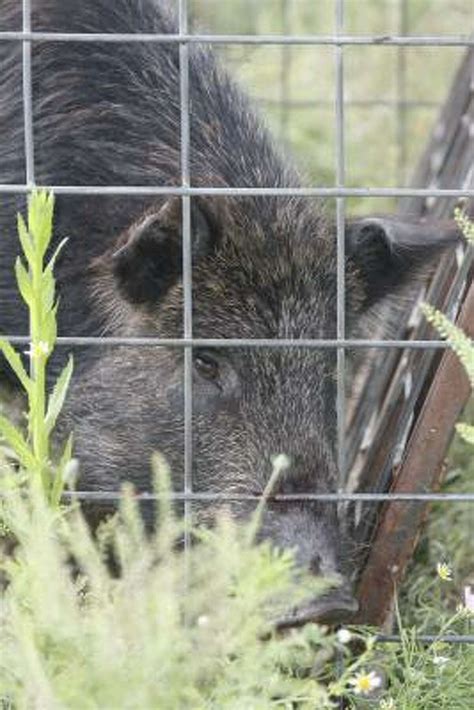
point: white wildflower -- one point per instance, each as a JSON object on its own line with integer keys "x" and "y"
{"x": 344, "y": 635}
{"x": 365, "y": 683}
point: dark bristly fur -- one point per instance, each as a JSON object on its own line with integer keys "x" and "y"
{"x": 109, "y": 114}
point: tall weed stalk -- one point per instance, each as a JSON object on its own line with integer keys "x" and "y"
{"x": 36, "y": 284}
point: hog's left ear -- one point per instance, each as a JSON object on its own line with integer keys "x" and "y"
{"x": 387, "y": 252}
{"x": 149, "y": 260}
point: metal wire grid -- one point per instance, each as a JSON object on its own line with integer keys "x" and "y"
{"x": 340, "y": 192}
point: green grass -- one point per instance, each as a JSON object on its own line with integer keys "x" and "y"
{"x": 81, "y": 637}
{"x": 93, "y": 640}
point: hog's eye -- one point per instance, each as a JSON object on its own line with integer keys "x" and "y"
{"x": 206, "y": 366}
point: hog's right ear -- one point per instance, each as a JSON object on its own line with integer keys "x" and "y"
{"x": 387, "y": 252}
{"x": 150, "y": 260}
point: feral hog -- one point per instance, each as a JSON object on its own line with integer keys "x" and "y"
{"x": 263, "y": 267}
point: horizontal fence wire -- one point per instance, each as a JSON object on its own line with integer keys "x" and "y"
{"x": 316, "y": 40}
{"x": 325, "y": 497}
{"x": 234, "y": 342}
{"x": 339, "y": 192}
{"x": 427, "y": 638}
{"x": 243, "y": 191}
{"x": 353, "y": 103}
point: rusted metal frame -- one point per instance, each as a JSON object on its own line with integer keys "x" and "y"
{"x": 419, "y": 472}
{"x": 399, "y": 408}
{"x": 384, "y": 385}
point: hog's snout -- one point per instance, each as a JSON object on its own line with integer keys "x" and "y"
{"x": 321, "y": 548}
{"x": 336, "y": 607}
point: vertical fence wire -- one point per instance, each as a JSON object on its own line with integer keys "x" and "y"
{"x": 341, "y": 286}
{"x": 187, "y": 263}
{"x": 27, "y": 97}
{"x": 340, "y": 218}
{"x": 285, "y": 73}
{"x": 401, "y": 98}
{"x": 27, "y": 91}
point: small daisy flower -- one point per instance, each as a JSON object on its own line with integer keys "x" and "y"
{"x": 444, "y": 571}
{"x": 344, "y": 635}
{"x": 365, "y": 683}
{"x": 38, "y": 350}
{"x": 202, "y": 621}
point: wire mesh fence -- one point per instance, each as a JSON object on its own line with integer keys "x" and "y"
{"x": 338, "y": 41}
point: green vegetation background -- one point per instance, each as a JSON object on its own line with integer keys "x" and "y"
{"x": 296, "y": 84}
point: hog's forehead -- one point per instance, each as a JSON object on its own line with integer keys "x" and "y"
{"x": 283, "y": 295}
